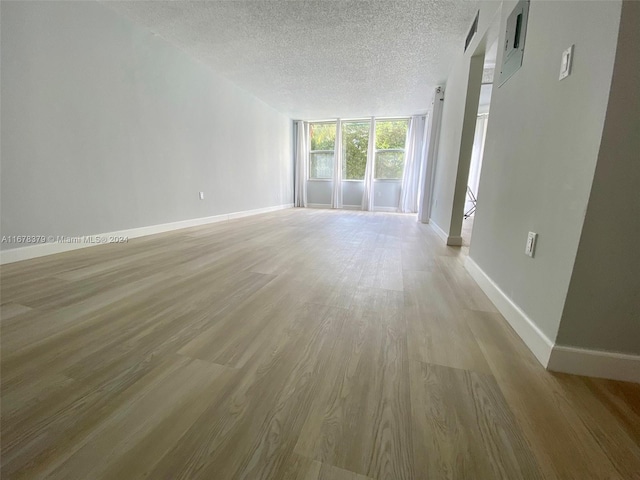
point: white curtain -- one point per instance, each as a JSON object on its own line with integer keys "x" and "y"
{"x": 301, "y": 164}
{"x": 476, "y": 157}
{"x": 413, "y": 163}
{"x": 336, "y": 197}
{"x": 431, "y": 145}
{"x": 367, "y": 196}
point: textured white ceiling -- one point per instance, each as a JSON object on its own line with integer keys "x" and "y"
{"x": 319, "y": 59}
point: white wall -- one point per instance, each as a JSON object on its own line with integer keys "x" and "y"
{"x": 449, "y": 146}
{"x": 542, "y": 145}
{"x": 602, "y": 310}
{"x": 457, "y": 109}
{"x": 107, "y": 127}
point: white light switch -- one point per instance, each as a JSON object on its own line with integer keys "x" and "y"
{"x": 201, "y": 195}
{"x": 531, "y": 244}
{"x": 565, "y": 64}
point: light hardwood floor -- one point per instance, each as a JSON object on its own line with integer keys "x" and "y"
{"x": 302, "y": 344}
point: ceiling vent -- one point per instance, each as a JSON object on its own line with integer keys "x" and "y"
{"x": 472, "y": 31}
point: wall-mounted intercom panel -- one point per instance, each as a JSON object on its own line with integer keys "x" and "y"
{"x": 516, "y": 30}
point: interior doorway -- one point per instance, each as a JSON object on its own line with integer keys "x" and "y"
{"x": 477, "y": 154}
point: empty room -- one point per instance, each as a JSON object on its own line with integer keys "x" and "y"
{"x": 320, "y": 240}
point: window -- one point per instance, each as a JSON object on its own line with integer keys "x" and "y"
{"x": 355, "y": 142}
{"x": 321, "y": 154}
{"x": 390, "y": 139}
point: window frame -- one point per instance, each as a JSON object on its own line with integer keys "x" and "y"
{"x": 309, "y": 177}
{"x": 376, "y": 151}
{"x": 344, "y": 160}
{"x": 403, "y": 150}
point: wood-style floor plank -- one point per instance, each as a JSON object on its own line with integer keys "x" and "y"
{"x": 567, "y": 440}
{"x": 362, "y": 421}
{"x": 296, "y": 345}
{"x": 437, "y": 330}
{"x": 465, "y": 428}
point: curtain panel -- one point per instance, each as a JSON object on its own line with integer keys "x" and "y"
{"x": 301, "y": 164}
{"x": 413, "y": 165}
{"x": 336, "y": 197}
{"x": 367, "y": 196}
{"x": 431, "y": 148}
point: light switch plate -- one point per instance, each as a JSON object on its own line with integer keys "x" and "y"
{"x": 201, "y": 195}
{"x": 530, "y": 248}
{"x": 565, "y": 64}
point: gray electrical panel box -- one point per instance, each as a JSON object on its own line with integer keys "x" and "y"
{"x": 514, "y": 41}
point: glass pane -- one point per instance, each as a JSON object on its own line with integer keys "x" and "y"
{"x": 323, "y": 136}
{"x": 355, "y": 141}
{"x": 321, "y": 165}
{"x": 391, "y": 134}
{"x": 389, "y": 164}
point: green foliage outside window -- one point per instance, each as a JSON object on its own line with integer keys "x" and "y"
{"x": 355, "y": 142}
{"x": 390, "y": 134}
{"x": 323, "y": 136}
{"x": 389, "y": 165}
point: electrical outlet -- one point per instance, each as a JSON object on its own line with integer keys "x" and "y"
{"x": 201, "y": 195}
{"x": 530, "y": 248}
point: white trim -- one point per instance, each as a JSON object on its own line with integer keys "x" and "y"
{"x": 385, "y": 119}
{"x": 451, "y": 240}
{"x": 257, "y": 211}
{"x": 40, "y": 250}
{"x": 365, "y": 119}
{"x": 330, "y": 120}
{"x": 431, "y": 140}
{"x": 385, "y": 209}
{"x": 355, "y": 180}
{"x": 557, "y": 358}
{"x": 533, "y": 337}
{"x": 595, "y": 363}
{"x": 436, "y": 228}
{"x": 454, "y": 241}
{"x": 352, "y": 207}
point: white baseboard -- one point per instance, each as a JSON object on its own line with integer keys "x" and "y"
{"x": 386, "y": 209}
{"x": 453, "y": 241}
{"x": 436, "y": 228}
{"x": 557, "y": 358}
{"x": 595, "y": 363}
{"x": 533, "y": 337}
{"x": 40, "y": 250}
{"x": 352, "y": 207}
{"x": 257, "y": 211}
